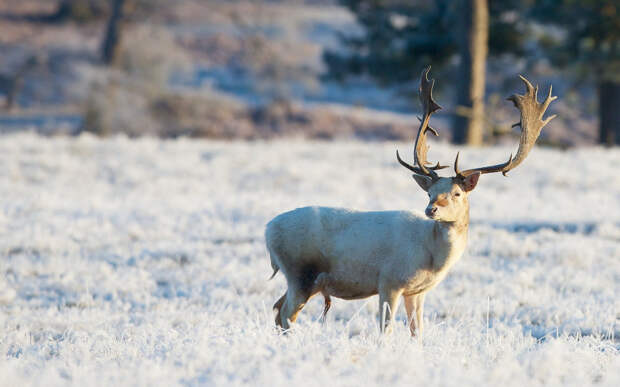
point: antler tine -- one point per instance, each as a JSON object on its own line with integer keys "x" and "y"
{"x": 528, "y": 86}
{"x": 408, "y": 166}
{"x": 456, "y": 164}
{"x": 531, "y": 124}
{"x": 490, "y": 169}
{"x": 545, "y": 105}
{"x": 531, "y": 121}
{"x": 416, "y": 169}
{"x": 436, "y": 134}
{"x": 429, "y": 106}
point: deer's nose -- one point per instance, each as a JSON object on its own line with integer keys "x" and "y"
{"x": 430, "y": 211}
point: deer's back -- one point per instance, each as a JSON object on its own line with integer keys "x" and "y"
{"x": 338, "y": 234}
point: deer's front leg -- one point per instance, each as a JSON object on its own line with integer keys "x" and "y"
{"x": 388, "y": 302}
{"x": 414, "y": 305}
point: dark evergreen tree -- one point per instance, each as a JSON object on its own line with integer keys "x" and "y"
{"x": 80, "y": 10}
{"x": 402, "y": 36}
{"x": 588, "y": 43}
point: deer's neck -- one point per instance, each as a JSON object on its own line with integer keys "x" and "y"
{"x": 449, "y": 240}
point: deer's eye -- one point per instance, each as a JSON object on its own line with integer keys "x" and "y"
{"x": 457, "y": 194}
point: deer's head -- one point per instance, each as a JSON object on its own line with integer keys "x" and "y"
{"x": 448, "y": 195}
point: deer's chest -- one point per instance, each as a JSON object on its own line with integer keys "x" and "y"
{"x": 439, "y": 261}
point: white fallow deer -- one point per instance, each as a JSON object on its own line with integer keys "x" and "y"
{"x": 351, "y": 255}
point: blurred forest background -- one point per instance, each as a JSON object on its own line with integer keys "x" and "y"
{"x": 313, "y": 69}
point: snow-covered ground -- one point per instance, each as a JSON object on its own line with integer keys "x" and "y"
{"x": 143, "y": 263}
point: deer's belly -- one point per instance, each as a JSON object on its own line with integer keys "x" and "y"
{"x": 352, "y": 284}
{"x": 351, "y": 291}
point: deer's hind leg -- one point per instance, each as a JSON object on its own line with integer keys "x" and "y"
{"x": 295, "y": 300}
{"x": 328, "y": 304}
{"x": 320, "y": 285}
{"x": 309, "y": 282}
{"x": 278, "y": 306}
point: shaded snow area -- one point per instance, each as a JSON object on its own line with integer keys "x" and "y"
{"x": 142, "y": 262}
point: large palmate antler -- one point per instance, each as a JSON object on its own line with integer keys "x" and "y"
{"x": 429, "y": 106}
{"x": 531, "y": 124}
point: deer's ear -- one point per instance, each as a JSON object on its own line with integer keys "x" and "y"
{"x": 469, "y": 183}
{"x": 423, "y": 181}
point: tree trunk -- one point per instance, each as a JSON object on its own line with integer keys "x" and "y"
{"x": 609, "y": 112}
{"x": 112, "y": 39}
{"x": 473, "y": 40}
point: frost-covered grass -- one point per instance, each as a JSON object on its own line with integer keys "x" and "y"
{"x": 143, "y": 262}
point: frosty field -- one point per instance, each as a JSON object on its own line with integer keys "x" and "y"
{"x": 142, "y": 262}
